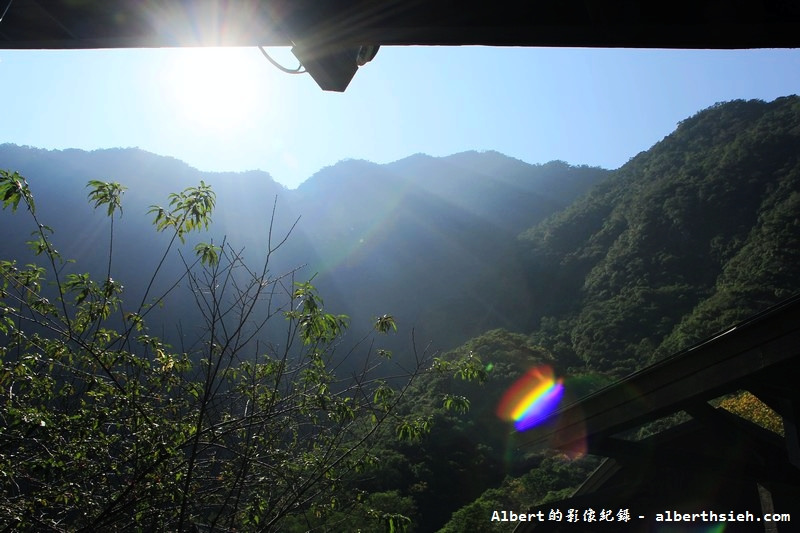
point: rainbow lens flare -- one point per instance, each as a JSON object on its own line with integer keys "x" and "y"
{"x": 531, "y": 397}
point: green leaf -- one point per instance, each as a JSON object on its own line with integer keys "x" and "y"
{"x": 108, "y": 194}
{"x": 459, "y": 404}
{"x": 208, "y": 253}
{"x": 14, "y": 188}
{"x": 385, "y": 323}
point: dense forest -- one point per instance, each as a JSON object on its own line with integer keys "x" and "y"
{"x": 688, "y": 238}
{"x": 455, "y": 274}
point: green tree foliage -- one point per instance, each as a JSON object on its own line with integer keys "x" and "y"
{"x": 762, "y": 272}
{"x": 108, "y": 194}
{"x": 107, "y": 427}
{"x": 385, "y": 323}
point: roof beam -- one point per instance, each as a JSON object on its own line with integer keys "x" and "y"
{"x": 354, "y": 23}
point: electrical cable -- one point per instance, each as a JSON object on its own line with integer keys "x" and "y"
{"x": 281, "y": 67}
{"x": 6, "y": 10}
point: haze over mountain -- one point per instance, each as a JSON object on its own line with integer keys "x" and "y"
{"x": 441, "y": 230}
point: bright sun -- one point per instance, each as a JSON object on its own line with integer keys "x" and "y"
{"x": 214, "y": 88}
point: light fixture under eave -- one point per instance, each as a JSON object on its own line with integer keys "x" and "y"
{"x": 333, "y": 68}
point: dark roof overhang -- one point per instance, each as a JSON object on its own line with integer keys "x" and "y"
{"x": 341, "y": 27}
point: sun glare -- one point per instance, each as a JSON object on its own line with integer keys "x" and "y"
{"x": 213, "y": 88}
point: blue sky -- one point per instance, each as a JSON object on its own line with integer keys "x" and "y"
{"x": 229, "y": 109}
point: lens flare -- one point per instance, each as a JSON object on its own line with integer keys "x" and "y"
{"x": 531, "y": 398}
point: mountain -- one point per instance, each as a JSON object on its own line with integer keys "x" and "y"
{"x": 58, "y": 181}
{"x": 432, "y": 240}
{"x": 686, "y": 239}
{"x": 441, "y": 229}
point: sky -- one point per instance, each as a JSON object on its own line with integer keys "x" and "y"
{"x": 231, "y": 110}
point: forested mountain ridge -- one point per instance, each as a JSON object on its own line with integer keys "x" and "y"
{"x": 443, "y": 229}
{"x": 433, "y": 240}
{"x": 687, "y": 238}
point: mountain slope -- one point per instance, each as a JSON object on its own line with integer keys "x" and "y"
{"x": 430, "y": 240}
{"x": 687, "y": 238}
